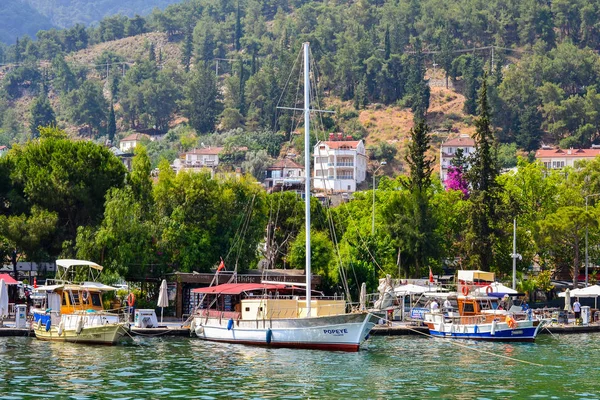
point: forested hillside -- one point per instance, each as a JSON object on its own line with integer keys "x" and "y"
{"x": 401, "y": 74}
{"x": 540, "y": 60}
{"x": 18, "y": 18}
{"x": 27, "y": 17}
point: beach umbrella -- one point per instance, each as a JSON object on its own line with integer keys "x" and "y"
{"x": 363, "y": 297}
{"x": 163, "y": 298}
{"x": 568, "y": 300}
{"x": 3, "y": 300}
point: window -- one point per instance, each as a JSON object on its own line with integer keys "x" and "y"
{"x": 468, "y": 307}
{"x": 96, "y": 300}
{"x": 322, "y": 160}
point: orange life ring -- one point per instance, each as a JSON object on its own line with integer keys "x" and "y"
{"x": 465, "y": 290}
{"x": 489, "y": 290}
{"x": 131, "y": 299}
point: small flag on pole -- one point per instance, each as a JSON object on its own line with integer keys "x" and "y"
{"x": 34, "y": 282}
{"x": 221, "y": 266}
{"x": 430, "y": 276}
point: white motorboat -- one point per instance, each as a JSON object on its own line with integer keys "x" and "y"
{"x": 73, "y": 312}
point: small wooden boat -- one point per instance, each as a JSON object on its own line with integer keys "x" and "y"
{"x": 481, "y": 316}
{"x": 74, "y": 312}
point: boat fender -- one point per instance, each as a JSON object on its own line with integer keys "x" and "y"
{"x": 465, "y": 290}
{"x": 493, "y": 329}
{"x": 39, "y": 324}
{"x": 269, "y": 336}
{"x": 230, "y": 324}
{"x": 79, "y": 326}
{"x": 48, "y": 325}
{"x": 475, "y": 329}
{"x": 192, "y": 326}
{"x": 61, "y": 327}
{"x": 199, "y": 330}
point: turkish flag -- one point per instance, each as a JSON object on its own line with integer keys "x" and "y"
{"x": 34, "y": 282}
{"x": 221, "y": 266}
{"x": 430, "y": 276}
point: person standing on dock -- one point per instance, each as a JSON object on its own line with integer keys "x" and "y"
{"x": 577, "y": 310}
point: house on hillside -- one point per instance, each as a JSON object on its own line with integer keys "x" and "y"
{"x": 198, "y": 159}
{"x": 285, "y": 174}
{"x": 126, "y": 158}
{"x": 3, "y": 150}
{"x": 340, "y": 164}
{"x": 128, "y": 144}
{"x": 448, "y": 151}
{"x": 558, "y": 158}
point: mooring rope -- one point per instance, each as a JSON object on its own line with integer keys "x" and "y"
{"x": 454, "y": 342}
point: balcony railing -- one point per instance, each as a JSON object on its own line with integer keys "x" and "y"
{"x": 341, "y": 164}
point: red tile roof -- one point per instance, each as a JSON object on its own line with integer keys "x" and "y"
{"x": 574, "y": 153}
{"x": 459, "y": 141}
{"x": 286, "y": 163}
{"x": 3, "y": 147}
{"x": 133, "y": 137}
{"x": 214, "y": 150}
{"x": 338, "y": 144}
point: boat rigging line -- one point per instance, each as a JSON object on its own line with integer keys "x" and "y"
{"x": 456, "y": 343}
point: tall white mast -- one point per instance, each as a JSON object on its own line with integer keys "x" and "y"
{"x": 307, "y": 173}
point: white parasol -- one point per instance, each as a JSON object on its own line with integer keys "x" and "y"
{"x": 3, "y": 301}
{"x": 163, "y": 298}
{"x": 363, "y": 297}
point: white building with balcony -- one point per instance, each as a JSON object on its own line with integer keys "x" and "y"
{"x": 448, "y": 152}
{"x": 340, "y": 164}
{"x": 560, "y": 158}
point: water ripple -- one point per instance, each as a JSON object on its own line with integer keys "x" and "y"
{"x": 401, "y": 367}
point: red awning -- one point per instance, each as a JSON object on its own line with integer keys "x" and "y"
{"x": 9, "y": 280}
{"x": 237, "y": 288}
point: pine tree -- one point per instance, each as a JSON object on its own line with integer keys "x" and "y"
{"x": 186, "y": 51}
{"x": 242, "y": 103}
{"x": 201, "y": 104}
{"x": 151, "y": 53}
{"x": 483, "y": 216}
{"x": 238, "y": 27}
{"x": 422, "y": 239}
{"x": 42, "y": 114}
{"x": 111, "y": 126}
{"x": 387, "y": 43}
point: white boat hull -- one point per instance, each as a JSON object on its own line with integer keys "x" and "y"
{"x": 522, "y": 331}
{"x": 339, "y": 332}
{"x": 96, "y": 328}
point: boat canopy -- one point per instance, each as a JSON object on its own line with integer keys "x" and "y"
{"x": 9, "y": 280}
{"x": 98, "y": 286}
{"x": 476, "y": 276}
{"x": 238, "y": 288}
{"x": 48, "y": 288}
{"x": 66, "y": 263}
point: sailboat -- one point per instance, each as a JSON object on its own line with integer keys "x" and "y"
{"x": 272, "y": 313}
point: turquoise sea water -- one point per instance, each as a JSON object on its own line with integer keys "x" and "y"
{"x": 387, "y": 367}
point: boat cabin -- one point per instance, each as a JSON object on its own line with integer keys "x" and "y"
{"x": 259, "y": 301}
